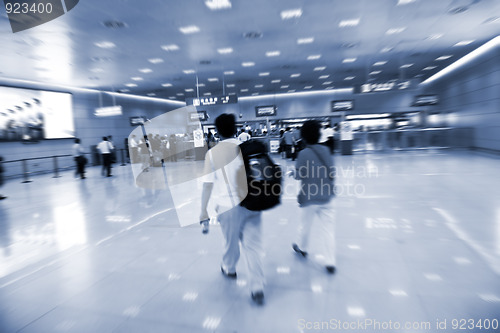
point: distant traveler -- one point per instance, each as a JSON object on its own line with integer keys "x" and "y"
{"x": 1, "y": 177}
{"x": 244, "y": 136}
{"x": 289, "y": 142}
{"x": 315, "y": 170}
{"x": 227, "y": 185}
{"x": 80, "y": 159}
{"x": 105, "y": 147}
{"x": 327, "y": 139}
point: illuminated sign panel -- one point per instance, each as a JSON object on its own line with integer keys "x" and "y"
{"x": 212, "y": 100}
{"x": 139, "y": 120}
{"x": 385, "y": 86}
{"x": 198, "y": 116}
{"x": 423, "y": 100}
{"x": 265, "y": 111}
{"x": 346, "y": 105}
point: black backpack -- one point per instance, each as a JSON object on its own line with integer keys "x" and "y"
{"x": 264, "y": 177}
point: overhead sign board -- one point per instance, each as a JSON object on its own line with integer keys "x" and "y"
{"x": 393, "y": 85}
{"x": 265, "y": 111}
{"x": 212, "y": 100}
{"x": 346, "y": 105}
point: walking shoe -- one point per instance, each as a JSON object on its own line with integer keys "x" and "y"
{"x": 227, "y": 274}
{"x": 330, "y": 269}
{"x": 296, "y": 248}
{"x": 2, "y": 197}
{"x": 258, "y": 297}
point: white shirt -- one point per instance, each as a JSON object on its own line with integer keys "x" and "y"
{"x": 224, "y": 168}
{"x": 325, "y": 134}
{"x": 244, "y": 137}
{"x": 105, "y": 147}
{"x": 77, "y": 150}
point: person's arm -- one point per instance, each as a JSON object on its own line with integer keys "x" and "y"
{"x": 205, "y": 198}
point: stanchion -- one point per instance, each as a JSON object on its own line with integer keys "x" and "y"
{"x": 56, "y": 168}
{"x": 25, "y": 173}
{"x": 123, "y": 158}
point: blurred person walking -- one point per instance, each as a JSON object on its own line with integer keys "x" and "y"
{"x": 316, "y": 172}
{"x": 1, "y": 177}
{"x": 105, "y": 147}
{"x": 80, "y": 159}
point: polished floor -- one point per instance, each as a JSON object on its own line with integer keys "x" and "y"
{"x": 418, "y": 243}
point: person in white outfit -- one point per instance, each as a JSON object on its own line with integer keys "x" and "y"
{"x": 105, "y": 147}
{"x": 226, "y": 183}
{"x": 244, "y": 136}
{"x": 315, "y": 170}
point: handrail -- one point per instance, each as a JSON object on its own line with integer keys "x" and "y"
{"x": 55, "y": 169}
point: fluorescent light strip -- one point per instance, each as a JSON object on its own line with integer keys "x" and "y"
{"x": 322, "y": 77}
{"x": 321, "y": 68}
{"x": 464, "y": 42}
{"x": 380, "y": 63}
{"x": 406, "y": 66}
{"x": 428, "y": 68}
{"x": 189, "y": 71}
{"x": 259, "y": 85}
{"x": 166, "y": 85}
{"x": 488, "y": 46}
{"x": 207, "y": 94}
{"x": 349, "y": 23}
{"x": 295, "y": 75}
{"x": 308, "y": 87}
{"x": 291, "y": 13}
{"x": 105, "y": 45}
{"x": 301, "y": 93}
{"x": 445, "y": 57}
{"x": 404, "y": 2}
{"x": 393, "y": 31}
{"x": 189, "y": 90}
{"x": 190, "y": 29}
{"x": 170, "y": 47}
{"x": 348, "y": 78}
{"x": 273, "y": 53}
{"x": 213, "y": 79}
{"x": 136, "y": 78}
{"x": 307, "y": 40}
{"x": 231, "y": 85}
{"x": 349, "y": 60}
{"x": 229, "y": 73}
{"x": 275, "y": 81}
{"x": 314, "y": 57}
{"x": 375, "y": 72}
{"x": 435, "y": 36}
{"x": 264, "y": 74}
{"x": 285, "y": 86}
{"x": 200, "y": 85}
{"x": 218, "y": 4}
{"x": 155, "y": 60}
{"x": 145, "y": 70}
{"x": 130, "y": 85}
{"x": 225, "y": 50}
{"x": 248, "y": 64}
{"x": 327, "y": 83}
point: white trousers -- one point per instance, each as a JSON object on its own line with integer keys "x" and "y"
{"x": 242, "y": 225}
{"x": 324, "y": 216}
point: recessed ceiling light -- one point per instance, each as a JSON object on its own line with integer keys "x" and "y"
{"x": 322, "y": 77}
{"x": 285, "y": 86}
{"x": 124, "y": 90}
{"x": 151, "y": 94}
{"x": 386, "y": 49}
{"x": 327, "y": 83}
{"x": 166, "y": 85}
{"x": 393, "y": 31}
{"x": 273, "y": 53}
{"x": 189, "y": 90}
{"x": 307, "y": 40}
{"x": 155, "y": 60}
{"x": 328, "y": 88}
{"x": 189, "y": 71}
{"x": 225, "y": 50}
{"x": 264, "y": 74}
{"x": 130, "y": 85}
{"x": 218, "y": 4}
{"x": 291, "y": 91}
{"x": 259, "y": 85}
{"x": 231, "y": 85}
{"x": 180, "y": 94}
{"x": 291, "y": 13}
{"x": 321, "y": 68}
{"x": 170, "y": 47}
{"x": 145, "y": 70}
{"x": 244, "y": 90}
{"x": 229, "y": 73}
{"x": 97, "y": 70}
{"x": 349, "y": 23}
{"x": 429, "y": 68}
{"x": 295, "y": 75}
{"x": 207, "y": 94}
{"x": 255, "y": 94}
{"x": 380, "y": 63}
{"x": 213, "y": 79}
{"x": 105, "y": 45}
{"x": 406, "y": 66}
{"x": 349, "y": 78}
{"x": 349, "y": 60}
{"x": 200, "y": 85}
{"x": 444, "y": 57}
{"x": 308, "y": 87}
{"x": 375, "y": 72}
{"x": 404, "y": 2}
{"x": 136, "y": 78}
{"x": 464, "y": 42}
{"x": 232, "y": 93}
{"x": 435, "y": 36}
{"x": 190, "y": 29}
{"x": 172, "y": 97}
{"x": 314, "y": 57}
{"x": 248, "y": 64}
{"x": 275, "y": 81}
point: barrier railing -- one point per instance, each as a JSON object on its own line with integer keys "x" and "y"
{"x": 27, "y": 167}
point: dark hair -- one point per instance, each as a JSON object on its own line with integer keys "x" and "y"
{"x": 104, "y": 138}
{"x": 310, "y": 131}
{"x": 77, "y": 140}
{"x": 226, "y": 125}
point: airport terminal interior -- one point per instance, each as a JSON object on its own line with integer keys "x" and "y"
{"x": 405, "y": 92}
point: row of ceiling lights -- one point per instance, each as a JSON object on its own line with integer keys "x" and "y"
{"x": 285, "y": 15}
